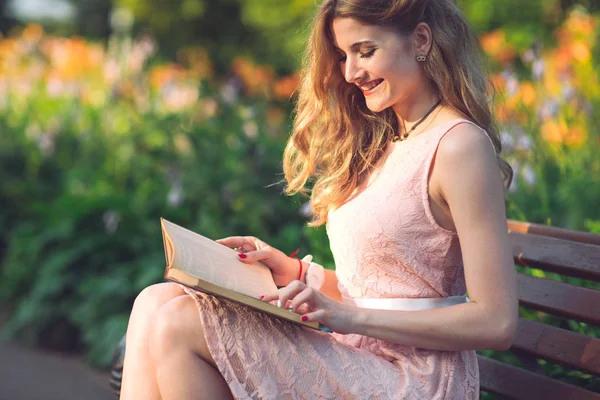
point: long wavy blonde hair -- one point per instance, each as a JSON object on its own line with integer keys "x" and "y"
{"x": 336, "y": 139}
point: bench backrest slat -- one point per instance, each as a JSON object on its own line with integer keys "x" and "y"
{"x": 551, "y": 231}
{"x": 559, "y": 298}
{"x": 558, "y": 345}
{"x": 565, "y": 257}
{"x": 519, "y": 384}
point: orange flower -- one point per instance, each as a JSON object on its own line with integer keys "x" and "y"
{"x": 492, "y": 41}
{"x": 256, "y": 79}
{"x": 33, "y": 32}
{"x": 495, "y": 45}
{"x": 286, "y": 86}
{"x": 553, "y": 132}
{"x": 498, "y": 82}
{"x": 575, "y": 137}
{"x": 164, "y": 74}
{"x": 580, "y": 51}
{"x": 527, "y": 94}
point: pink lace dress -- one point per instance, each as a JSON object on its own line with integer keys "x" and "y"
{"x": 386, "y": 244}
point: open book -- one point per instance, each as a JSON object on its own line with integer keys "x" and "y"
{"x": 205, "y": 265}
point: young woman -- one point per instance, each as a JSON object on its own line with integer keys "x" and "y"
{"x": 394, "y": 132}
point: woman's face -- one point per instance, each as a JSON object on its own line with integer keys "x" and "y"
{"x": 380, "y": 61}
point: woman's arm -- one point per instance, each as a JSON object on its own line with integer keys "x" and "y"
{"x": 470, "y": 183}
{"x": 330, "y": 287}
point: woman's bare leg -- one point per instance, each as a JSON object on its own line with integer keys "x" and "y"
{"x": 139, "y": 377}
{"x": 184, "y": 366}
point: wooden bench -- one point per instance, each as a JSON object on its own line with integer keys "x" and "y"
{"x": 562, "y": 251}
{"x": 571, "y": 254}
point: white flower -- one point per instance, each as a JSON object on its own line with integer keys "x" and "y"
{"x": 251, "y": 129}
{"x": 537, "y": 68}
{"x": 175, "y": 196}
{"x": 46, "y": 144}
{"x": 231, "y": 90}
{"x": 528, "y": 56}
{"x": 524, "y": 142}
{"x": 508, "y": 142}
{"x": 529, "y": 175}
{"x": 306, "y": 210}
{"x": 111, "y": 221}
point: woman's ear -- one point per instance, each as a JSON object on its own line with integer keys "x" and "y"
{"x": 422, "y": 39}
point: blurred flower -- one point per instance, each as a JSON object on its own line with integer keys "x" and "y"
{"x": 553, "y": 132}
{"x": 537, "y": 69}
{"x": 164, "y": 75}
{"x": 231, "y": 90}
{"x": 527, "y": 94}
{"x": 306, "y": 210}
{"x": 175, "y": 196}
{"x": 255, "y": 79}
{"x": 524, "y": 142}
{"x": 33, "y": 33}
{"x": 208, "y": 107}
{"x": 251, "y": 129}
{"x": 575, "y": 137}
{"x": 179, "y": 97}
{"x": 508, "y": 142}
{"x": 495, "y": 45}
{"x": 581, "y": 51}
{"x": 548, "y": 109}
{"x": 121, "y": 20}
{"x": 529, "y": 175}
{"x": 46, "y": 144}
{"x": 528, "y": 56}
{"x": 248, "y": 112}
{"x": 286, "y": 86}
{"x": 197, "y": 61}
{"x": 111, "y": 221}
{"x": 182, "y": 144}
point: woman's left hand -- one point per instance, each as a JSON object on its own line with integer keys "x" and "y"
{"x": 315, "y": 306}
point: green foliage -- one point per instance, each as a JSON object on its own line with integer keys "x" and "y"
{"x": 82, "y": 221}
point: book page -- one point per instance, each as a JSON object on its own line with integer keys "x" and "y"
{"x": 210, "y": 261}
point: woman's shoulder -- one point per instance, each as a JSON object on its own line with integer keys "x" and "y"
{"x": 465, "y": 152}
{"x": 464, "y": 138}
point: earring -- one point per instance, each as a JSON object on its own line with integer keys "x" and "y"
{"x": 421, "y": 58}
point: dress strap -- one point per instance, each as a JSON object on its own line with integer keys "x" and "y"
{"x": 405, "y": 304}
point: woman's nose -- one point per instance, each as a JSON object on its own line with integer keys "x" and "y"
{"x": 352, "y": 72}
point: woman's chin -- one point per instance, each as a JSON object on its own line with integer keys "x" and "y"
{"x": 376, "y": 106}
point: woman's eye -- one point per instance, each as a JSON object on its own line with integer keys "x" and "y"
{"x": 367, "y": 54}
{"x": 342, "y": 59}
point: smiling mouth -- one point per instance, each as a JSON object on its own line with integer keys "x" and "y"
{"x": 367, "y": 87}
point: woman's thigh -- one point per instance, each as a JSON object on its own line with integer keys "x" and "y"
{"x": 177, "y": 323}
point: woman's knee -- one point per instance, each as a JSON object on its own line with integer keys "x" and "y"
{"x": 175, "y": 324}
{"x": 155, "y": 296}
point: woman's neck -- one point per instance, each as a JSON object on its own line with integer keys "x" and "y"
{"x": 413, "y": 109}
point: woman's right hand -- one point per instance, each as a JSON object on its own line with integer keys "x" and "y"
{"x": 283, "y": 268}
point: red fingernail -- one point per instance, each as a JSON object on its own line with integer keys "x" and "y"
{"x": 242, "y": 255}
{"x": 261, "y": 297}
{"x": 304, "y": 318}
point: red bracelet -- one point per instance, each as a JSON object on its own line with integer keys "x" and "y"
{"x": 300, "y": 274}
{"x": 299, "y": 262}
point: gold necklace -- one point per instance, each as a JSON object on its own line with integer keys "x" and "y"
{"x": 405, "y": 134}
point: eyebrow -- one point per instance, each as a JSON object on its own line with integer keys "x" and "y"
{"x": 356, "y": 46}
